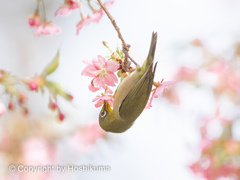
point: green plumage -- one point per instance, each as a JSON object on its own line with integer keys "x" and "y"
{"x": 131, "y": 97}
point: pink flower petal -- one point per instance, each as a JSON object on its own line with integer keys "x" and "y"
{"x": 93, "y": 88}
{"x": 112, "y": 66}
{"x": 108, "y": 3}
{"x": 34, "y": 20}
{"x": 72, "y": 4}
{"x": 63, "y": 11}
{"x": 99, "y": 63}
{"x": 80, "y": 25}
{"x": 109, "y": 90}
{"x": 149, "y": 104}
{"x": 47, "y": 29}
{"x": 110, "y": 79}
{"x": 108, "y": 98}
{"x": 95, "y": 17}
{"x": 66, "y": 8}
{"x": 100, "y": 100}
{"x": 98, "y": 82}
{"x": 90, "y": 71}
{"x": 159, "y": 91}
{"x": 99, "y": 103}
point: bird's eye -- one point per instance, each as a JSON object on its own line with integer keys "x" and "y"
{"x": 103, "y": 114}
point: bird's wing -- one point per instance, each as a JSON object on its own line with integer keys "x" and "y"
{"x": 137, "y": 98}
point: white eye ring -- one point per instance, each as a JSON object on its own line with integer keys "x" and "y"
{"x": 103, "y": 114}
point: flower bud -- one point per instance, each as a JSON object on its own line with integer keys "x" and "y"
{"x": 21, "y": 98}
{"x": 70, "y": 97}
{"x": 25, "y": 111}
{"x": 11, "y": 104}
{"x": 34, "y": 20}
{"x": 61, "y": 116}
{"x": 33, "y": 86}
{"x": 114, "y": 56}
{"x": 105, "y": 43}
{"x": 52, "y": 105}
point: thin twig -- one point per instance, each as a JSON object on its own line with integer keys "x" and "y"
{"x": 115, "y": 25}
{"x": 128, "y": 56}
{"x": 89, "y": 4}
{"x": 80, "y": 9}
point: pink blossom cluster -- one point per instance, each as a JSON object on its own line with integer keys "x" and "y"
{"x": 160, "y": 89}
{"x": 47, "y": 29}
{"x": 38, "y": 82}
{"x": 102, "y": 71}
{"x": 219, "y": 156}
{"x": 95, "y": 17}
{"x": 9, "y": 82}
{"x": 44, "y": 27}
{"x": 66, "y": 8}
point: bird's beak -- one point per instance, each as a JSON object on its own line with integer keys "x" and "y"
{"x": 107, "y": 107}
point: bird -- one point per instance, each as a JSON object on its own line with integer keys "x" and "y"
{"x": 131, "y": 96}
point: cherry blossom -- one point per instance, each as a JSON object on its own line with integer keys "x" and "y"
{"x": 100, "y": 100}
{"x": 93, "y": 88}
{"x": 66, "y": 8}
{"x": 217, "y": 161}
{"x": 35, "y": 83}
{"x": 47, "y": 29}
{"x": 161, "y": 87}
{"x": 102, "y": 72}
{"x": 108, "y": 3}
{"x": 95, "y": 17}
{"x": 34, "y": 20}
{"x": 149, "y": 104}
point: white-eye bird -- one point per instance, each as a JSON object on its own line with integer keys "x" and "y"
{"x": 131, "y": 97}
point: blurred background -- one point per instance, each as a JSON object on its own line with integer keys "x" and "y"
{"x": 192, "y": 132}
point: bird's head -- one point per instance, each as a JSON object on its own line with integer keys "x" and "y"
{"x": 106, "y": 116}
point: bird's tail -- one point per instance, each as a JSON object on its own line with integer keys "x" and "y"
{"x": 149, "y": 61}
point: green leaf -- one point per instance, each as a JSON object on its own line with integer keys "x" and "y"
{"x": 57, "y": 89}
{"x": 52, "y": 66}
